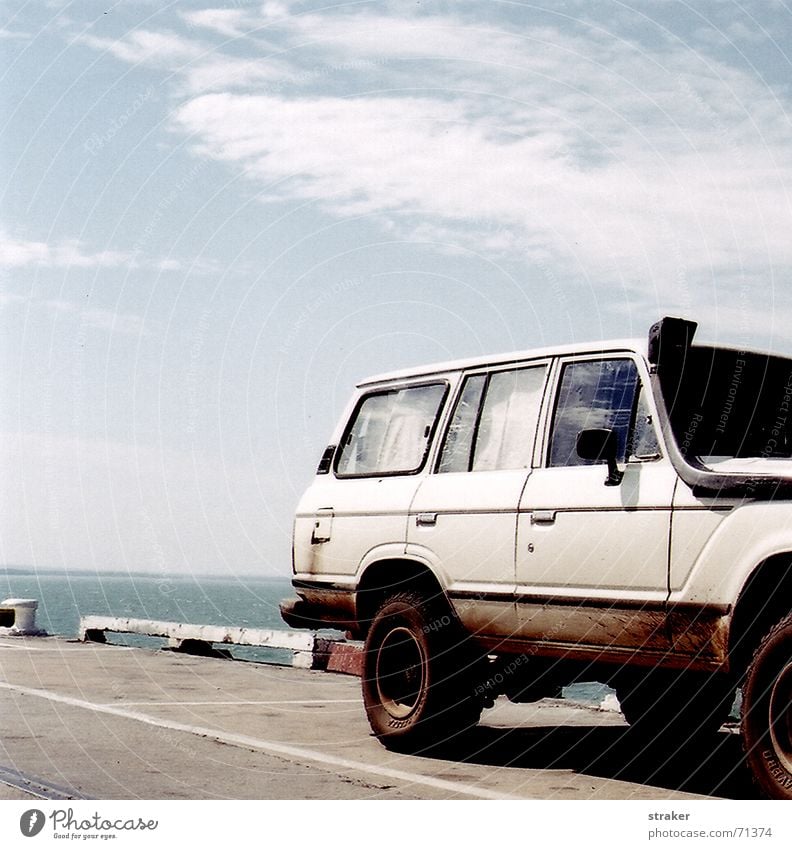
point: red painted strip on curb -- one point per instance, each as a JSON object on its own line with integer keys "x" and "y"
{"x": 345, "y": 658}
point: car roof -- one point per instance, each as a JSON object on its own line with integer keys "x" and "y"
{"x": 636, "y": 346}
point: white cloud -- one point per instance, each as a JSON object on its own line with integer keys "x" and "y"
{"x": 18, "y": 253}
{"x": 7, "y": 34}
{"x": 229, "y": 22}
{"x": 738, "y": 309}
{"x": 169, "y": 265}
{"x": 627, "y": 158}
{"x": 97, "y": 318}
{"x": 15, "y": 253}
{"x": 430, "y": 36}
{"x": 65, "y": 253}
{"x": 147, "y": 47}
{"x": 200, "y": 67}
{"x": 223, "y": 72}
{"x": 69, "y": 253}
{"x": 411, "y": 155}
{"x": 234, "y": 23}
{"x": 8, "y": 298}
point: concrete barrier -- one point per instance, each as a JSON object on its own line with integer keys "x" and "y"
{"x": 309, "y": 650}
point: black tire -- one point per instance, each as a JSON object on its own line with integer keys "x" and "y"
{"x": 419, "y": 675}
{"x": 675, "y": 706}
{"x": 767, "y": 713}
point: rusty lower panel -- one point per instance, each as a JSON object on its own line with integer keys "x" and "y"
{"x": 320, "y": 608}
{"x": 486, "y": 618}
{"x": 607, "y": 626}
{"x": 690, "y": 637}
{"x": 686, "y": 636}
{"x": 702, "y": 632}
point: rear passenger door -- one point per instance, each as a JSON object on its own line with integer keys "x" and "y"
{"x": 463, "y": 519}
{"x": 592, "y": 558}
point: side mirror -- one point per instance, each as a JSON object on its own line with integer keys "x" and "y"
{"x": 598, "y": 444}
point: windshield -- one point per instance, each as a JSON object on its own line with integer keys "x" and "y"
{"x": 731, "y": 404}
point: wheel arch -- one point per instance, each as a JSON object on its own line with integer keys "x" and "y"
{"x": 389, "y": 576}
{"x": 764, "y": 599}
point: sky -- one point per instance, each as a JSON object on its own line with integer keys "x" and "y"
{"x": 216, "y": 218}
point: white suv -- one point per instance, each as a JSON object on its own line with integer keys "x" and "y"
{"x": 615, "y": 512}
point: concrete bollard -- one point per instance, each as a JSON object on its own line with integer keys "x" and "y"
{"x": 24, "y": 617}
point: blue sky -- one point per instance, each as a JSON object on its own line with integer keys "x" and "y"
{"x": 216, "y": 218}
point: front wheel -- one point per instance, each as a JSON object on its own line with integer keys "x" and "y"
{"x": 418, "y": 675}
{"x": 767, "y": 712}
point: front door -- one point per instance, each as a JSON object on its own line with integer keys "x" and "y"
{"x": 592, "y": 557}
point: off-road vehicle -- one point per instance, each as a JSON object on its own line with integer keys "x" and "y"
{"x": 618, "y": 512}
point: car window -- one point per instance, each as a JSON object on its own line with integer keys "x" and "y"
{"x": 644, "y": 443}
{"x": 390, "y": 432}
{"x": 494, "y": 422}
{"x": 593, "y": 394}
{"x": 458, "y": 445}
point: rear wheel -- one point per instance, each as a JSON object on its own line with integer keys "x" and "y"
{"x": 767, "y": 712}
{"x": 419, "y": 675}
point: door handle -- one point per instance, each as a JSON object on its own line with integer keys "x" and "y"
{"x": 426, "y": 520}
{"x": 543, "y": 517}
{"x": 323, "y": 526}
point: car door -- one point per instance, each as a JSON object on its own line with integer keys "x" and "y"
{"x": 592, "y": 556}
{"x": 463, "y": 519}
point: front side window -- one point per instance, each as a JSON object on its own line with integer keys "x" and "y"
{"x": 494, "y": 423}
{"x": 600, "y": 394}
{"x": 390, "y": 432}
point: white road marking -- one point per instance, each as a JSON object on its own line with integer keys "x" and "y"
{"x": 36, "y": 787}
{"x": 236, "y": 702}
{"x": 61, "y": 649}
{"x": 297, "y": 752}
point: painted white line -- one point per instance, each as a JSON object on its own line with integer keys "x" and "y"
{"x": 23, "y": 789}
{"x": 297, "y": 752}
{"x": 37, "y": 787}
{"x": 62, "y": 649}
{"x": 236, "y": 702}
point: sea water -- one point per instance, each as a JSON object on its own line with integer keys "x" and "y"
{"x": 246, "y": 602}
{"x": 205, "y": 600}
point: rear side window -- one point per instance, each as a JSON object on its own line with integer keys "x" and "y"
{"x": 494, "y": 422}
{"x": 390, "y": 432}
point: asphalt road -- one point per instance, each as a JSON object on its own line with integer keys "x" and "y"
{"x": 106, "y": 722}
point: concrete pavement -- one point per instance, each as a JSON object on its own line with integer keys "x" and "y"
{"x": 109, "y": 722}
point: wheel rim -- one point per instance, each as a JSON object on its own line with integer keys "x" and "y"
{"x": 780, "y": 710}
{"x": 400, "y": 674}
